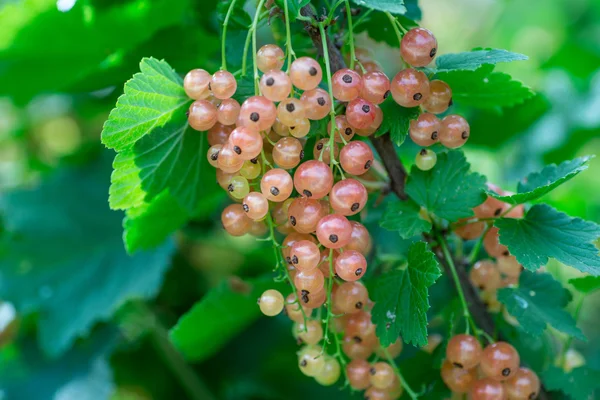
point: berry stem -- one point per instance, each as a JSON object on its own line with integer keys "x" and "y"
{"x": 253, "y": 29}
{"x": 351, "y": 37}
{"x": 477, "y": 247}
{"x": 288, "y": 37}
{"x": 466, "y": 313}
{"x": 224, "y": 36}
{"x": 403, "y": 382}
{"x": 245, "y": 53}
{"x": 569, "y": 342}
{"x": 329, "y": 304}
{"x": 395, "y": 26}
{"x": 332, "y": 11}
{"x": 332, "y": 160}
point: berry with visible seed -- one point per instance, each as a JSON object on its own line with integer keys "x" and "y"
{"x": 356, "y": 158}
{"x": 334, "y": 231}
{"x": 350, "y": 265}
{"x": 346, "y": 84}
{"x": 317, "y": 103}
{"x": 306, "y": 73}
{"x": 454, "y": 132}
{"x": 499, "y": 361}
{"x": 255, "y": 205}
{"x": 418, "y": 47}
{"x": 313, "y": 179}
{"x": 276, "y": 185}
{"x": 360, "y": 113}
{"x": 348, "y": 197}
{"x": 275, "y": 85}
{"x": 425, "y": 130}
{"x": 376, "y": 87}
{"x": 426, "y": 159}
{"x": 464, "y": 351}
{"x": 410, "y": 87}
{"x": 235, "y": 221}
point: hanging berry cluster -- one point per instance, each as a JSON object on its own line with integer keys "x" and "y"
{"x": 490, "y": 373}
{"x": 258, "y": 148}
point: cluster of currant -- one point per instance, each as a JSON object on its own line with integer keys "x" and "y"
{"x": 487, "y": 374}
{"x": 490, "y": 275}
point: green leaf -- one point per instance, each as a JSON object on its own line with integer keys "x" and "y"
{"x": 245, "y": 89}
{"x": 472, "y": 60}
{"x": 85, "y": 39}
{"x": 152, "y": 223}
{"x": 538, "y": 184}
{"x": 483, "y": 88}
{"x": 404, "y": 217}
{"x": 579, "y": 384}
{"x": 449, "y": 190}
{"x": 401, "y": 298}
{"x": 238, "y": 19}
{"x": 150, "y": 100}
{"x": 396, "y": 121}
{"x": 294, "y": 7}
{"x": 546, "y": 232}
{"x": 539, "y": 301}
{"x": 379, "y": 28}
{"x": 84, "y": 372}
{"x": 586, "y": 284}
{"x": 392, "y": 6}
{"x": 68, "y": 264}
{"x": 219, "y": 316}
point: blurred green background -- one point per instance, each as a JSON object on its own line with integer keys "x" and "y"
{"x": 62, "y": 66}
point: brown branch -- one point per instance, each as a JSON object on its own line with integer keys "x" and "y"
{"x": 397, "y": 174}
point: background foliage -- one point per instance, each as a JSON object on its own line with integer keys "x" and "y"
{"x": 94, "y": 316}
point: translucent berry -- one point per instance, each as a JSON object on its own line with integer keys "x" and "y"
{"x": 229, "y": 161}
{"x": 358, "y": 374}
{"x": 269, "y": 57}
{"x": 304, "y": 213}
{"x": 356, "y": 349}
{"x": 350, "y": 265}
{"x": 276, "y": 185}
{"x": 293, "y": 308}
{"x": 346, "y": 84}
{"x": 275, "y": 85}
{"x": 305, "y": 255}
{"x": 375, "y": 87}
{"x": 418, "y": 47}
{"x": 314, "y": 299}
{"x": 247, "y": 142}
{"x": 393, "y": 349}
{"x": 458, "y": 380}
{"x": 255, "y": 205}
{"x": 499, "y": 361}
{"x": 257, "y": 112}
{"x": 440, "y": 97}
{"x": 343, "y": 131}
{"x": 334, "y": 231}
{"x": 425, "y": 130}
{"x": 373, "y": 393}
{"x": 492, "y": 244}
{"x": 238, "y": 187}
{"x": 322, "y": 147}
{"x": 251, "y": 169}
{"x": 524, "y": 385}
{"x": 306, "y": 73}
{"x": 330, "y": 373}
{"x": 313, "y": 179}
{"x": 487, "y": 389}
{"x": 317, "y": 103}
{"x": 219, "y": 134}
{"x": 469, "y": 231}
{"x": 360, "y": 239}
{"x": 228, "y": 112}
{"x": 356, "y": 158}
{"x": 300, "y": 129}
{"x": 426, "y": 159}
{"x": 485, "y": 275}
{"x": 351, "y": 297}
{"x": 223, "y": 85}
{"x": 454, "y": 132}
{"x": 311, "y": 360}
{"x": 464, "y": 351}
{"x": 288, "y": 152}
{"x": 311, "y": 333}
{"x": 271, "y": 302}
{"x": 310, "y": 281}
{"x": 290, "y": 111}
{"x": 360, "y": 113}
{"x": 235, "y": 221}
{"x": 213, "y": 154}
{"x": 368, "y": 131}
{"x": 509, "y": 266}
{"x": 382, "y": 375}
{"x": 202, "y": 115}
{"x": 359, "y": 324}
{"x": 196, "y": 83}
{"x": 289, "y": 241}
{"x": 410, "y": 87}
{"x": 348, "y": 197}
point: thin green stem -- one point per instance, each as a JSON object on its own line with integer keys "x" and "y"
{"x": 466, "y": 313}
{"x": 332, "y": 160}
{"x": 253, "y": 29}
{"x": 329, "y": 304}
{"x": 245, "y": 53}
{"x": 393, "y": 21}
{"x": 288, "y": 37}
{"x": 478, "y": 244}
{"x": 224, "y": 36}
{"x": 350, "y": 30}
{"x": 332, "y": 11}
{"x": 569, "y": 341}
{"x": 403, "y": 382}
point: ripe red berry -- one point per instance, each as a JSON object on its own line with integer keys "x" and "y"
{"x": 425, "y": 130}
{"x": 334, "y": 231}
{"x": 410, "y": 87}
{"x": 350, "y": 265}
{"x": 464, "y": 351}
{"x": 276, "y": 185}
{"x": 346, "y": 84}
{"x": 348, "y": 197}
{"x": 269, "y": 57}
{"x": 360, "y": 113}
{"x": 376, "y": 87}
{"x": 499, "y": 361}
{"x": 223, "y": 85}
{"x": 356, "y": 158}
{"x": 454, "y": 132}
{"x": 313, "y": 179}
{"x": 257, "y": 112}
{"x": 306, "y": 73}
{"x": 196, "y": 83}
{"x": 440, "y": 97}
{"x": 418, "y": 47}
{"x": 202, "y": 115}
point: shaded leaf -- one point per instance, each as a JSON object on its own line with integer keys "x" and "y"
{"x": 404, "y": 217}
{"x": 471, "y": 60}
{"x": 396, "y": 121}
{"x": 586, "y": 284}
{"x": 392, "y": 6}
{"x": 579, "y": 384}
